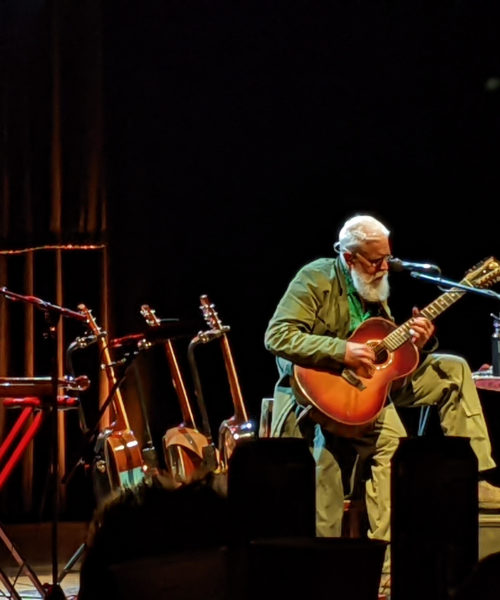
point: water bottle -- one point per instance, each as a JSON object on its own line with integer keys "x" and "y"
{"x": 495, "y": 347}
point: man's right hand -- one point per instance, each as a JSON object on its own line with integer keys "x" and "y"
{"x": 360, "y": 358}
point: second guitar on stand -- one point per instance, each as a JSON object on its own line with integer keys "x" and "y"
{"x": 184, "y": 446}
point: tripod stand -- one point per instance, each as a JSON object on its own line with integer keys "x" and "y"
{"x": 31, "y": 407}
{"x": 5, "y": 472}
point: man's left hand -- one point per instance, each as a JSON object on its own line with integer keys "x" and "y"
{"x": 421, "y": 329}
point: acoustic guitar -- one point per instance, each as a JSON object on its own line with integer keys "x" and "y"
{"x": 122, "y": 454}
{"x": 183, "y": 446}
{"x": 237, "y": 428}
{"x": 346, "y": 403}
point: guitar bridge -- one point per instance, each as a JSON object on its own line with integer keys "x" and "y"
{"x": 353, "y": 379}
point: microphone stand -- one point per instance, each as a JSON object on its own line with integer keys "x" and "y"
{"x": 455, "y": 284}
{"x": 91, "y": 436}
{"x": 52, "y": 313}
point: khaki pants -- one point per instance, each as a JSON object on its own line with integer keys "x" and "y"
{"x": 441, "y": 380}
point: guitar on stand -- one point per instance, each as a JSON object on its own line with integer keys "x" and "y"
{"x": 185, "y": 448}
{"x": 237, "y": 428}
{"x": 119, "y": 455}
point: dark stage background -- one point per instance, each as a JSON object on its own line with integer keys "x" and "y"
{"x": 241, "y": 135}
{"x": 238, "y": 136}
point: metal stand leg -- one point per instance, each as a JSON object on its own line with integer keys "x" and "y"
{"x": 10, "y": 588}
{"x": 31, "y": 405}
{"x": 24, "y": 566}
{"x": 71, "y": 562}
{"x": 26, "y": 438}
{"x": 423, "y": 418}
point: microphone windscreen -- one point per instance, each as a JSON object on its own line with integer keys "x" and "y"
{"x": 396, "y": 265}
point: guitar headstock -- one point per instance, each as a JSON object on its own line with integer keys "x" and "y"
{"x": 210, "y": 314}
{"x": 150, "y": 315}
{"x": 94, "y": 328}
{"x": 484, "y": 274}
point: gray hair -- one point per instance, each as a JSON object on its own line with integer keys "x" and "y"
{"x": 359, "y": 229}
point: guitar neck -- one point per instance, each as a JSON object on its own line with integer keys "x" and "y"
{"x": 240, "y": 411}
{"x": 180, "y": 388}
{"x": 402, "y": 333}
{"x": 121, "y": 419}
{"x": 212, "y": 319}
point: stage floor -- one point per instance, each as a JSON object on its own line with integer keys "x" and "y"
{"x": 25, "y": 588}
{"x": 33, "y": 542}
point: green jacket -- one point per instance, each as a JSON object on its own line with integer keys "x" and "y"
{"x": 309, "y": 327}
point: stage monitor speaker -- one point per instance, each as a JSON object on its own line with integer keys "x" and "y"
{"x": 291, "y": 568}
{"x": 271, "y": 489}
{"x": 196, "y": 575}
{"x": 434, "y": 516}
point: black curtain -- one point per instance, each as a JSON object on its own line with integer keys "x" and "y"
{"x": 235, "y": 138}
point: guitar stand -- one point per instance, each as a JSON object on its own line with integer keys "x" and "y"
{"x": 31, "y": 407}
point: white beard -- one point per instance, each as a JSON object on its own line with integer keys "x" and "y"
{"x": 372, "y": 288}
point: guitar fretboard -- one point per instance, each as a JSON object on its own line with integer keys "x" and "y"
{"x": 212, "y": 319}
{"x": 402, "y": 333}
{"x": 178, "y": 382}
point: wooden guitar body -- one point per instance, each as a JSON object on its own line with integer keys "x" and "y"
{"x": 123, "y": 459}
{"x": 232, "y": 432}
{"x": 350, "y": 399}
{"x": 346, "y": 403}
{"x": 183, "y": 453}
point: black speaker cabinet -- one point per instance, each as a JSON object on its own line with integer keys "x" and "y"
{"x": 302, "y": 568}
{"x": 271, "y": 489}
{"x": 434, "y": 516}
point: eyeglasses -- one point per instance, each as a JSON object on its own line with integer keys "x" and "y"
{"x": 376, "y": 263}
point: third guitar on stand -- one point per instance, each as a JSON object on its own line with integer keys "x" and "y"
{"x": 238, "y": 427}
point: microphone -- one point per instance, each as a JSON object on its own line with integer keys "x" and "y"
{"x": 398, "y": 265}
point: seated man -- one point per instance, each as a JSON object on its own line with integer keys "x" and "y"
{"x": 323, "y": 305}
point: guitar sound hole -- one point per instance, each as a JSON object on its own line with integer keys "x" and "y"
{"x": 381, "y": 357}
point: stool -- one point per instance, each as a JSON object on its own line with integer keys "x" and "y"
{"x": 354, "y": 504}
{"x": 353, "y": 524}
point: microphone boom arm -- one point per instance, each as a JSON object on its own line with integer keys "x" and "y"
{"x": 455, "y": 284}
